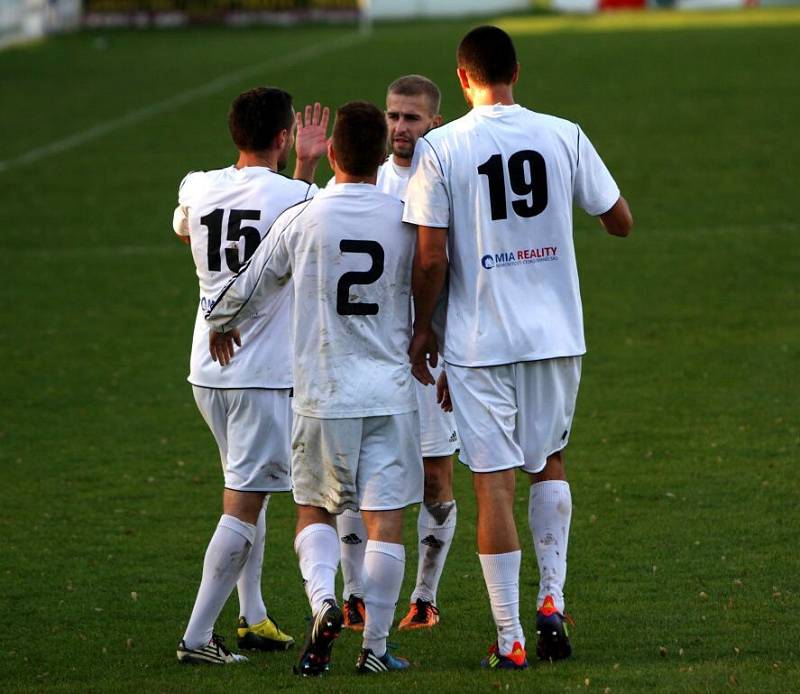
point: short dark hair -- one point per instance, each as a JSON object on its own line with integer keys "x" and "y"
{"x": 487, "y": 54}
{"x": 257, "y": 116}
{"x": 359, "y": 138}
{"x": 417, "y": 85}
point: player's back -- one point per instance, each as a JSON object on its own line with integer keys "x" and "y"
{"x": 511, "y": 175}
{"x": 351, "y": 259}
{"x": 229, "y": 212}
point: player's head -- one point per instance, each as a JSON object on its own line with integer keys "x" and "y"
{"x": 486, "y": 57}
{"x": 262, "y": 119}
{"x": 412, "y": 109}
{"x": 358, "y": 145}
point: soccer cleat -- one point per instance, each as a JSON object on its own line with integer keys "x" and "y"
{"x": 516, "y": 660}
{"x": 551, "y": 627}
{"x": 369, "y": 662}
{"x": 354, "y": 613}
{"x": 264, "y": 636}
{"x": 421, "y": 615}
{"x": 315, "y": 659}
{"x": 214, "y": 653}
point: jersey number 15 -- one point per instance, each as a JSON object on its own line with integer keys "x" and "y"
{"x": 252, "y": 237}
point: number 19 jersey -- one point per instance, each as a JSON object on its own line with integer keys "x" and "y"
{"x": 503, "y": 179}
{"x": 226, "y": 213}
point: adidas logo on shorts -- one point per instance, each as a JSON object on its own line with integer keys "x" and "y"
{"x": 453, "y": 436}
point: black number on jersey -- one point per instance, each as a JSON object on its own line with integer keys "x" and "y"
{"x": 530, "y": 185}
{"x": 252, "y": 237}
{"x": 345, "y": 307}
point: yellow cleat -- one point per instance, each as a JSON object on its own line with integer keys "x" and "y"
{"x": 264, "y": 636}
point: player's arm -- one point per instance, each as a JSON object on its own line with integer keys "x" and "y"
{"x": 618, "y": 221}
{"x": 427, "y": 281}
{"x": 311, "y": 142}
{"x": 260, "y": 278}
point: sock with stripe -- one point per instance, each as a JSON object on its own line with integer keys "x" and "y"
{"x": 436, "y": 526}
{"x": 353, "y": 543}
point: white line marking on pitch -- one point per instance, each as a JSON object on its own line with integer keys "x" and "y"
{"x": 185, "y": 97}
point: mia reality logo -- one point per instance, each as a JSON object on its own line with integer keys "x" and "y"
{"x": 521, "y": 256}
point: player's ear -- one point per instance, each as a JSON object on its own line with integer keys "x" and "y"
{"x": 515, "y": 76}
{"x": 280, "y": 139}
{"x": 331, "y": 155}
{"x": 462, "y": 77}
{"x": 437, "y": 121}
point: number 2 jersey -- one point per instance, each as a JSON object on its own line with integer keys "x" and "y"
{"x": 349, "y": 256}
{"x": 227, "y": 213}
{"x": 503, "y": 179}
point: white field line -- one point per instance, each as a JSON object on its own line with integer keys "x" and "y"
{"x": 212, "y": 87}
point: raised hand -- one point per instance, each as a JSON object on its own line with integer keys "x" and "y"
{"x": 312, "y": 132}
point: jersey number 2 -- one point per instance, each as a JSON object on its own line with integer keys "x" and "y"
{"x": 252, "y": 237}
{"x": 532, "y": 187}
{"x": 345, "y": 307}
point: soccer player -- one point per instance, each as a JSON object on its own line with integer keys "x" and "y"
{"x": 497, "y": 186}
{"x": 355, "y": 441}
{"x": 412, "y": 109}
{"x": 224, "y": 215}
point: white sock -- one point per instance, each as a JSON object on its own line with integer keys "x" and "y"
{"x": 317, "y": 547}
{"x": 501, "y": 573}
{"x": 353, "y": 539}
{"x": 384, "y": 564}
{"x": 225, "y": 557}
{"x": 251, "y": 602}
{"x": 549, "y": 515}
{"x": 436, "y": 526}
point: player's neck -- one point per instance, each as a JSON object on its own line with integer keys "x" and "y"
{"x": 343, "y": 177}
{"x": 402, "y": 162}
{"x": 492, "y": 94}
{"x": 266, "y": 159}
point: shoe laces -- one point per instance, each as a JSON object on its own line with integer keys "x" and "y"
{"x": 219, "y": 642}
{"x": 423, "y": 607}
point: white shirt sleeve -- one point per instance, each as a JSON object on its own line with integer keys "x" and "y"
{"x": 267, "y": 271}
{"x": 595, "y": 189}
{"x": 180, "y": 220}
{"x": 427, "y": 201}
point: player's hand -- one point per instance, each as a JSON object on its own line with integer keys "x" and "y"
{"x": 311, "y": 142}
{"x": 423, "y": 344}
{"x": 443, "y": 393}
{"x": 220, "y": 345}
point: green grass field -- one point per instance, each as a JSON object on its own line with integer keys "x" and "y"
{"x": 684, "y": 551}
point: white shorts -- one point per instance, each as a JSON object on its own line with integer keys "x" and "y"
{"x": 369, "y": 463}
{"x": 514, "y": 415}
{"x": 437, "y": 428}
{"x": 252, "y": 428}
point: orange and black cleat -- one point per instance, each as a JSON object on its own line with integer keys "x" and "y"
{"x": 421, "y": 615}
{"x": 553, "y": 632}
{"x": 355, "y": 613}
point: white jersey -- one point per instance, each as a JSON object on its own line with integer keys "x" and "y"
{"x": 226, "y": 213}
{"x": 350, "y": 256}
{"x": 503, "y": 179}
{"x": 392, "y": 179}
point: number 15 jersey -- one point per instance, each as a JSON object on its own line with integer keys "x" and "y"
{"x": 503, "y": 179}
{"x": 349, "y": 256}
{"x": 226, "y": 213}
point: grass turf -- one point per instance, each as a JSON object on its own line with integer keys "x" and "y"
{"x": 683, "y": 576}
